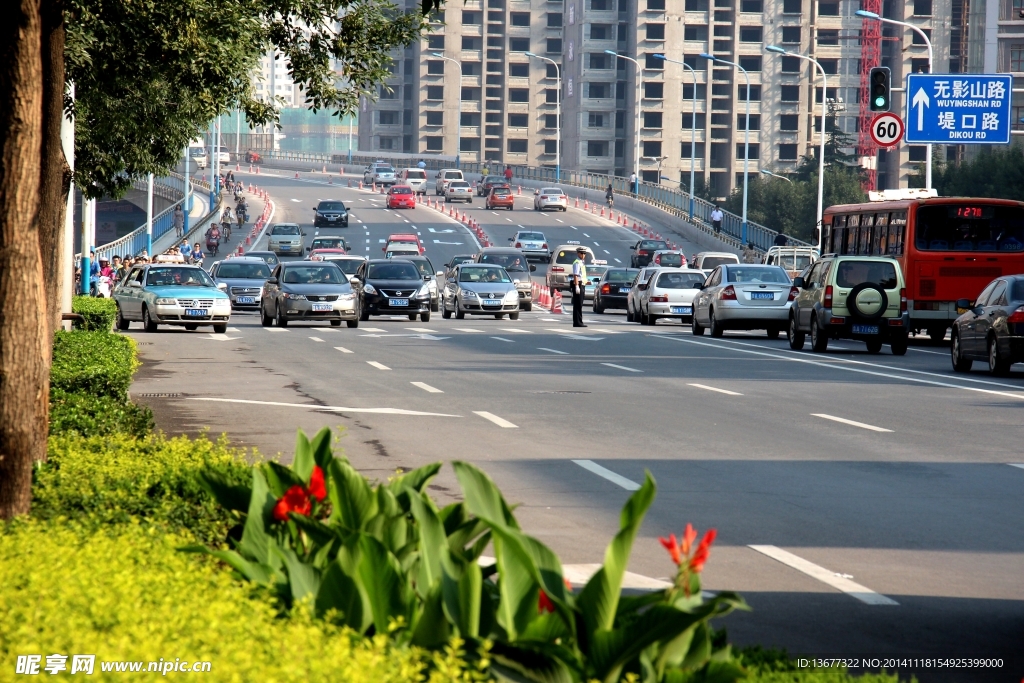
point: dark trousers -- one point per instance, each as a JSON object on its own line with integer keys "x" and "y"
{"x": 577, "y": 306}
{"x": 718, "y": 226}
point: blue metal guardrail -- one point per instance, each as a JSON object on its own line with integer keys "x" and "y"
{"x": 674, "y": 202}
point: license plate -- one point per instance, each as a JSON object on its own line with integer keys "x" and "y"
{"x": 195, "y": 312}
{"x": 492, "y": 302}
{"x": 245, "y": 300}
{"x": 865, "y": 329}
{"x": 762, "y": 295}
{"x": 683, "y": 310}
{"x": 322, "y": 307}
{"x": 398, "y": 302}
{"x": 623, "y": 290}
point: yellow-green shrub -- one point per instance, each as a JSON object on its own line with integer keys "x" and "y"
{"x": 128, "y": 594}
{"x": 98, "y": 314}
{"x": 93, "y": 363}
{"x": 111, "y": 479}
{"x": 97, "y": 415}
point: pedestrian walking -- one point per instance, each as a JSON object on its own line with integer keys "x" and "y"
{"x": 750, "y": 254}
{"x": 633, "y": 183}
{"x": 780, "y": 240}
{"x": 508, "y": 173}
{"x": 578, "y": 285}
{"x": 179, "y": 221}
{"x": 716, "y": 219}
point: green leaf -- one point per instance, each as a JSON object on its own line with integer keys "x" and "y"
{"x": 303, "y": 579}
{"x": 302, "y": 463}
{"x": 433, "y": 544}
{"x": 382, "y": 578}
{"x": 599, "y": 599}
{"x": 319, "y": 533}
{"x": 534, "y": 663}
{"x": 414, "y": 479}
{"x": 321, "y": 447}
{"x": 352, "y": 499}
{"x": 280, "y": 478}
{"x": 482, "y": 497}
{"x": 255, "y": 542}
{"x": 257, "y": 573}
{"x": 228, "y": 495}
{"x": 339, "y": 591}
{"x": 462, "y": 588}
{"x": 431, "y": 629}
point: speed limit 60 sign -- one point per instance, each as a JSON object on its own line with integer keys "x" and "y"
{"x": 886, "y": 129}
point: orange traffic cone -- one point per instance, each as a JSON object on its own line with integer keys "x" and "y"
{"x": 296, "y": 174}
{"x": 556, "y": 306}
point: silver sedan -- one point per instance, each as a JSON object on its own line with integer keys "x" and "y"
{"x": 743, "y": 297}
{"x": 479, "y": 289}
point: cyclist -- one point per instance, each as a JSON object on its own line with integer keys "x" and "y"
{"x": 609, "y": 195}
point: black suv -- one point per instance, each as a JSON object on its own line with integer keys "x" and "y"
{"x": 330, "y": 214}
{"x": 644, "y": 250}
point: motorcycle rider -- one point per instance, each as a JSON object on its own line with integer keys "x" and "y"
{"x": 196, "y": 256}
{"x": 213, "y": 238}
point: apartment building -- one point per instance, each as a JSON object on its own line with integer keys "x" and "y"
{"x": 470, "y": 88}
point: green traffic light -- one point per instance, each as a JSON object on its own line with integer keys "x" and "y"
{"x": 879, "y": 101}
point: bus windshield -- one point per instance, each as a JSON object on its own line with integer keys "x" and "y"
{"x": 969, "y": 227}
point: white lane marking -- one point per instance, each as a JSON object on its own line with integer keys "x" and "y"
{"x": 586, "y": 235}
{"x": 317, "y": 339}
{"x": 561, "y": 353}
{"x": 606, "y": 473}
{"x": 852, "y": 423}
{"x": 574, "y": 227}
{"x": 851, "y": 588}
{"x": 379, "y": 366}
{"x": 466, "y": 329}
{"x": 367, "y": 249}
{"x": 514, "y": 330}
{"x": 373, "y": 329}
{"x": 621, "y": 367}
{"x": 501, "y": 422}
{"x": 501, "y": 339}
{"x": 294, "y": 200}
{"x": 1013, "y": 464}
{"x": 559, "y": 220}
{"x": 550, "y": 320}
{"x": 233, "y": 329}
{"x": 420, "y": 329}
{"x": 314, "y": 406}
{"x": 618, "y": 261}
{"x": 342, "y": 349}
{"x": 721, "y": 391}
{"x": 606, "y": 251}
{"x": 274, "y": 329}
{"x": 426, "y": 387}
{"x": 937, "y": 353}
{"x": 596, "y": 244}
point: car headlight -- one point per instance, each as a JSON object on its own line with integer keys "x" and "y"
{"x": 346, "y": 297}
{"x": 166, "y": 302}
{"x": 294, "y": 297}
{"x": 423, "y": 291}
{"x": 468, "y": 293}
{"x": 368, "y": 289}
{"x": 512, "y": 294}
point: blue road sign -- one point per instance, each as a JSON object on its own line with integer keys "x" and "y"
{"x": 958, "y": 109}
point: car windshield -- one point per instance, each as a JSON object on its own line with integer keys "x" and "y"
{"x": 452, "y": 174}
{"x": 401, "y": 190}
{"x": 385, "y": 169}
{"x": 853, "y": 273}
{"x": 566, "y": 256}
{"x": 183, "y": 276}
{"x": 712, "y": 262}
{"x": 401, "y": 270}
{"x": 671, "y": 260}
{"x": 197, "y": 152}
{"x": 483, "y": 274}
{"x": 620, "y": 275}
{"x": 328, "y": 243}
{"x": 678, "y": 280}
{"x": 423, "y": 265}
{"x": 653, "y": 245}
{"x": 417, "y": 174}
{"x": 595, "y": 272}
{"x": 349, "y": 266}
{"x": 531, "y": 236}
{"x": 331, "y": 206}
{"x": 551, "y": 190}
{"x": 314, "y": 275}
{"x": 268, "y": 257}
{"x": 285, "y": 230}
{"x": 771, "y": 274}
{"x": 244, "y": 271}
{"x": 506, "y": 261}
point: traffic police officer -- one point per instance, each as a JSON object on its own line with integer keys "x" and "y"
{"x": 578, "y": 286}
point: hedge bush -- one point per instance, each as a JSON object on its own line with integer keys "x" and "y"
{"x": 114, "y": 478}
{"x": 99, "y": 314}
{"x": 93, "y": 363}
{"x": 97, "y": 416}
{"x": 130, "y": 595}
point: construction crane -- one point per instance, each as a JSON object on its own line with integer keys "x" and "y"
{"x": 871, "y": 56}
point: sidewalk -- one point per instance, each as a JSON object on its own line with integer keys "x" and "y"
{"x": 200, "y": 204}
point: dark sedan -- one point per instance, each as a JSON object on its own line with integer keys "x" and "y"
{"x": 612, "y": 290}
{"x": 330, "y": 214}
{"x": 393, "y": 286}
{"x": 310, "y": 291}
{"x": 644, "y": 251}
{"x": 992, "y": 329}
{"x": 483, "y": 188}
{"x": 243, "y": 278}
{"x": 518, "y": 268}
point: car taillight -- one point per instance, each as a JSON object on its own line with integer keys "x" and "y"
{"x": 903, "y": 300}
{"x": 519, "y": 245}
{"x": 728, "y": 294}
{"x": 642, "y": 252}
{"x": 557, "y": 269}
{"x": 1017, "y": 316}
{"x": 662, "y": 298}
{"x": 827, "y": 303}
{"x": 793, "y": 292}
{"x": 606, "y": 289}
{"x": 544, "y": 246}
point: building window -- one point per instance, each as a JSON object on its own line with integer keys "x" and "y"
{"x": 435, "y": 92}
{"x": 696, "y": 5}
{"x": 518, "y": 120}
{"x": 600, "y": 5}
{"x": 435, "y": 143}
{"x": 596, "y": 120}
{"x": 685, "y": 150}
{"x": 551, "y": 95}
{"x": 695, "y": 32}
{"x": 469, "y": 145}
{"x": 435, "y": 67}
{"x": 656, "y": 5}
{"x": 495, "y": 67}
{"x": 495, "y": 80}
{"x": 469, "y": 119}
{"x": 792, "y": 6}
{"x": 387, "y": 118}
{"x": 923, "y": 8}
{"x": 598, "y": 60}
{"x": 386, "y": 143}
{"x": 741, "y": 122}
{"x": 702, "y": 91}
{"x": 519, "y": 18}
{"x": 829, "y": 66}
{"x": 387, "y": 93}
{"x": 752, "y": 6}
{"x": 654, "y": 90}
{"x": 554, "y": 19}
{"x": 652, "y": 119}
{"x": 519, "y": 44}
{"x": 518, "y": 94}
{"x": 750, "y": 62}
{"x": 918, "y": 40}
{"x": 597, "y": 91}
{"x": 435, "y": 42}
{"x": 789, "y": 93}
{"x": 471, "y": 18}
{"x": 471, "y": 68}
{"x": 828, "y": 9}
{"x": 492, "y": 143}
{"x": 435, "y": 118}
{"x": 620, "y": 91}
{"x": 750, "y": 34}
{"x": 787, "y": 152}
{"x": 517, "y": 146}
{"x": 829, "y": 36}
{"x": 688, "y": 123}
{"x": 652, "y": 63}
{"x": 789, "y": 122}
{"x": 790, "y": 65}
{"x": 1017, "y": 58}
{"x": 471, "y": 43}
{"x": 652, "y": 148}
{"x": 551, "y": 146}
{"x": 551, "y": 120}
{"x": 917, "y": 153}
{"x": 655, "y": 31}
{"x": 741, "y": 92}
{"x": 554, "y": 45}
{"x": 919, "y": 66}
{"x": 791, "y": 35}
{"x": 600, "y": 32}
{"x": 471, "y": 94}
{"x": 597, "y": 148}
{"x": 552, "y": 71}
{"x": 649, "y": 177}
{"x": 519, "y": 70}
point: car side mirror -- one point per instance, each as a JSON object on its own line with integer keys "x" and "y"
{"x": 698, "y": 285}
{"x": 134, "y": 283}
{"x": 222, "y": 286}
{"x": 271, "y": 280}
{"x": 510, "y": 239}
{"x": 439, "y": 273}
{"x": 632, "y": 247}
{"x": 798, "y": 282}
{"x": 426, "y": 278}
{"x": 533, "y": 268}
{"x": 963, "y": 304}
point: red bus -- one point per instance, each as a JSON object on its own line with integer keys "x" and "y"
{"x": 949, "y": 248}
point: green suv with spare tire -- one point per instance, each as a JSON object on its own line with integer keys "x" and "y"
{"x": 850, "y": 297}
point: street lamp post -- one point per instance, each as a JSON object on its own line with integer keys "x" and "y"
{"x": 693, "y": 125}
{"x": 558, "y": 115}
{"x": 458, "y": 149}
{"x": 824, "y": 118}
{"x": 765, "y": 171}
{"x": 928, "y": 43}
{"x": 639, "y": 92}
{"x": 746, "y": 141}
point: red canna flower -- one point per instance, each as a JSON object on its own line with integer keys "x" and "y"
{"x": 544, "y": 603}
{"x": 689, "y": 536}
{"x": 317, "y": 488}
{"x": 700, "y": 555}
{"x": 672, "y": 546}
{"x": 295, "y": 499}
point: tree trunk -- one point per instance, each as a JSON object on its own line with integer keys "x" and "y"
{"x": 24, "y": 343}
{"x": 56, "y": 174}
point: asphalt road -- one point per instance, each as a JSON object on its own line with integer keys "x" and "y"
{"x": 867, "y": 505}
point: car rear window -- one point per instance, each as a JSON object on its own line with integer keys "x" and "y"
{"x": 596, "y": 271}
{"x": 712, "y": 262}
{"x": 853, "y": 273}
{"x": 532, "y": 236}
{"x": 423, "y": 265}
{"x": 417, "y": 175}
{"x": 328, "y": 243}
{"x": 551, "y": 190}
{"x": 620, "y": 275}
{"x": 1017, "y": 293}
{"x": 268, "y": 256}
{"x": 501, "y": 192}
{"x": 244, "y": 271}
{"x": 565, "y": 256}
{"x": 495, "y": 179}
{"x": 399, "y": 270}
{"x": 653, "y": 245}
{"x": 401, "y": 190}
{"x": 678, "y": 280}
{"x": 385, "y": 169}
{"x": 452, "y": 174}
{"x": 483, "y": 274}
{"x": 331, "y": 206}
{"x": 285, "y": 230}
{"x": 770, "y": 274}
{"x": 671, "y": 260}
{"x": 458, "y": 183}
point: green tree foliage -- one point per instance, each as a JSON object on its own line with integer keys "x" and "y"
{"x": 997, "y": 173}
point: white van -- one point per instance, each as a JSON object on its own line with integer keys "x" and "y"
{"x": 416, "y": 178}
{"x": 197, "y": 155}
{"x": 445, "y": 176}
{"x": 223, "y": 156}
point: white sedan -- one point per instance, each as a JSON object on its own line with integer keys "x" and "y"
{"x": 550, "y": 198}
{"x": 669, "y": 294}
{"x": 458, "y": 191}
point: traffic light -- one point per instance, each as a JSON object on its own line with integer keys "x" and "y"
{"x": 881, "y": 88}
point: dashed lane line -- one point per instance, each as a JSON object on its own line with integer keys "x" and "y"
{"x": 379, "y": 366}
{"x": 852, "y": 423}
{"x": 606, "y": 473}
{"x": 515, "y": 330}
{"x": 426, "y": 387}
{"x": 314, "y": 406}
{"x": 621, "y": 367}
{"x": 342, "y": 349}
{"x": 317, "y": 339}
{"x": 501, "y": 422}
{"x": 561, "y": 353}
{"x": 421, "y": 329}
{"x": 373, "y": 329}
{"x": 466, "y": 329}
{"x": 501, "y": 339}
{"x": 829, "y": 578}
{"x": 1014, "y": 464}
{"x": 721, "y": 391}
{"x": 274, "y": 329}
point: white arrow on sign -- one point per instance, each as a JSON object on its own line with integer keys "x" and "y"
{"x": 921, "y": 100}
{"x": 441, "y": 231}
